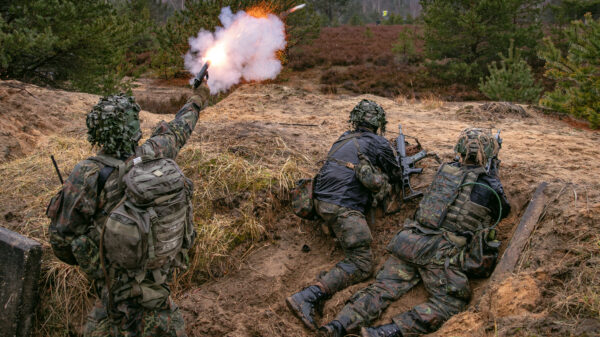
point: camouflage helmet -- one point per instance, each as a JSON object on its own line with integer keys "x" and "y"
{"x": 369, "y": 113}
{"x": 476, "y": 146}
{"x": 114, "y": 125}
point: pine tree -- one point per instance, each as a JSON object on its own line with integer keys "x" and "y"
{"x": 510, "y": 80}
{"x": 72, "y": 44}
{"x": 469, "y": 34}
{"x": 404, "y": 47}
{"x": 576, "y": 73}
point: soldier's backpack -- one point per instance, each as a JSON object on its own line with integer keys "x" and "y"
{"x": 153, "y": 222}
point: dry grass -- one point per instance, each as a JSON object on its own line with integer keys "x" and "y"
{"x": 235, "y": 199}
{"x": 566, "y": 247}
{"x": 432, "y": 101}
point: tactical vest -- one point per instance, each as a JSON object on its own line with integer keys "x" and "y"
{"x": 447, "y": 204}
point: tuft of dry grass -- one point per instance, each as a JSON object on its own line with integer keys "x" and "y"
{"x": 432, "y": 101}
{"x": 236, "y": 196}
{"x": 64, "y": 290}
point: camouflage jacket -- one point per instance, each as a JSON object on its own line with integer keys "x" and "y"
{"x": 339, "y": 185}
{"x": 72, "y": 225}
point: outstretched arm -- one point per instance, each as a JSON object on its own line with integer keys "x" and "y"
{"x": 168, "y": 138}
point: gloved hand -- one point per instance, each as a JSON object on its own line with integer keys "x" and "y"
{"x": 198, "y": 100}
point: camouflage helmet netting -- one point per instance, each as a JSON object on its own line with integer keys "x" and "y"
{"x": 114, "y": 125}
{"x": 476, "y": 146}
{"x": 368, "y": 112}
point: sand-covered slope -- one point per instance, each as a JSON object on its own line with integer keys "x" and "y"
{"x": 244, "y": 152}
{"x": 250, "y": 302}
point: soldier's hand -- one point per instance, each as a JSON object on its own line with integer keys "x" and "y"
{"x": 198, "y": 100}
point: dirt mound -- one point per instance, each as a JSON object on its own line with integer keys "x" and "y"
{"x": 514, "y": 296}
{"x": 491, "y": 111}
{"x": 29, "y": 112}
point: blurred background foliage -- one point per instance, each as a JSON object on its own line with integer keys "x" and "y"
{"x": 102, "y": 46}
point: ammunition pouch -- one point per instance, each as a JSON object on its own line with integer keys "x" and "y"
{"x": 481, "y": 255}
{"x": 87, "y": 254}
{"x": 303, "y": 203}
{"x": 420, "y": 248}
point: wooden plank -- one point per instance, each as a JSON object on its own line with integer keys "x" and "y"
{"x": 521, "y": 236}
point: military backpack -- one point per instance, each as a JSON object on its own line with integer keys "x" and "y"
{"x": 153, "y": 222}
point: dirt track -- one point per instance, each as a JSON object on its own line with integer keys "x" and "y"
{"x": 250, "y": 301}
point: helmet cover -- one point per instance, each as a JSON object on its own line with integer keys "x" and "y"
{"x": 114, "y": 125}
{"x": 476, "y": 146}
{"x": 369, "y": 113}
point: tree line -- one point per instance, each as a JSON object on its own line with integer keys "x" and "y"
{"x": 500, "y": 46}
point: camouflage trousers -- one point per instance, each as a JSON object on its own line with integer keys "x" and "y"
{"x": 446, "y": 284}
{"x": 136, "y": 321}
{"x": 352, "y": 231}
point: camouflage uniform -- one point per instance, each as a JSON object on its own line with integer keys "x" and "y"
{"x": 441, "y": 273}
{"x": 352, "y": 231}
{"x": 450, "y": 239}
{"x": 78, "y": 213}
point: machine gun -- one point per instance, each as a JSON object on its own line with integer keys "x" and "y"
{"x": 202, "y": 75}
{"x": 408, "y": 165}
{"x": 491, "y": 166}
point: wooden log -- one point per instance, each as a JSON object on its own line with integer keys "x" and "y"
{"x": 521, "y": 236}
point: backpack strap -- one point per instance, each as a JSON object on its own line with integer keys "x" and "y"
{"x": 109, "y": 165}
{"x": 343, "y": 141}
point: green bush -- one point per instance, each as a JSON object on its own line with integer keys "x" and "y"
{"x": 511, "y": 80}
{"x": 473, "y": 32}
{"x": 71, "y": 44}
{"x": 404, "y": 47}
{"x": 576, "y": 73}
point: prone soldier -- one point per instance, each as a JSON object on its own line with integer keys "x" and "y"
{"x": 359, "y": 165}
{"x": 451, "y": 238}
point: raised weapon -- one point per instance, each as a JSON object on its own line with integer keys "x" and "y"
{"x": 201, "y": 75}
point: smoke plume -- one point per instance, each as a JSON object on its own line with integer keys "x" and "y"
{"x": 244, "y": 48}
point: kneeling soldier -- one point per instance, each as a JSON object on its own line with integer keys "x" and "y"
{"x": 125, "y": 217}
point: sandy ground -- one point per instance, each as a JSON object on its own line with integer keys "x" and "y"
{"x": 249, "y": 299}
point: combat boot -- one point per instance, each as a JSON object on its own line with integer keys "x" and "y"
{"x": 388, "y": 330}
{"x": 305, "y": 303}
{"x": 332, "y": 329}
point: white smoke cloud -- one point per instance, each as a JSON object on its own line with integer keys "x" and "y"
{"x": 244, "y": 48}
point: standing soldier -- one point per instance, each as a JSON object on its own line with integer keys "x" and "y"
{"x": 451, "y": 238}
{"x": 126, "y": 228}
{"x": 358, "y": 165}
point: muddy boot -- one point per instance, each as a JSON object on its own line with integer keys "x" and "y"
{"x": 332, "y": 329}
{"x": 388, "y": 330}
{"x": 304, "y": 304}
